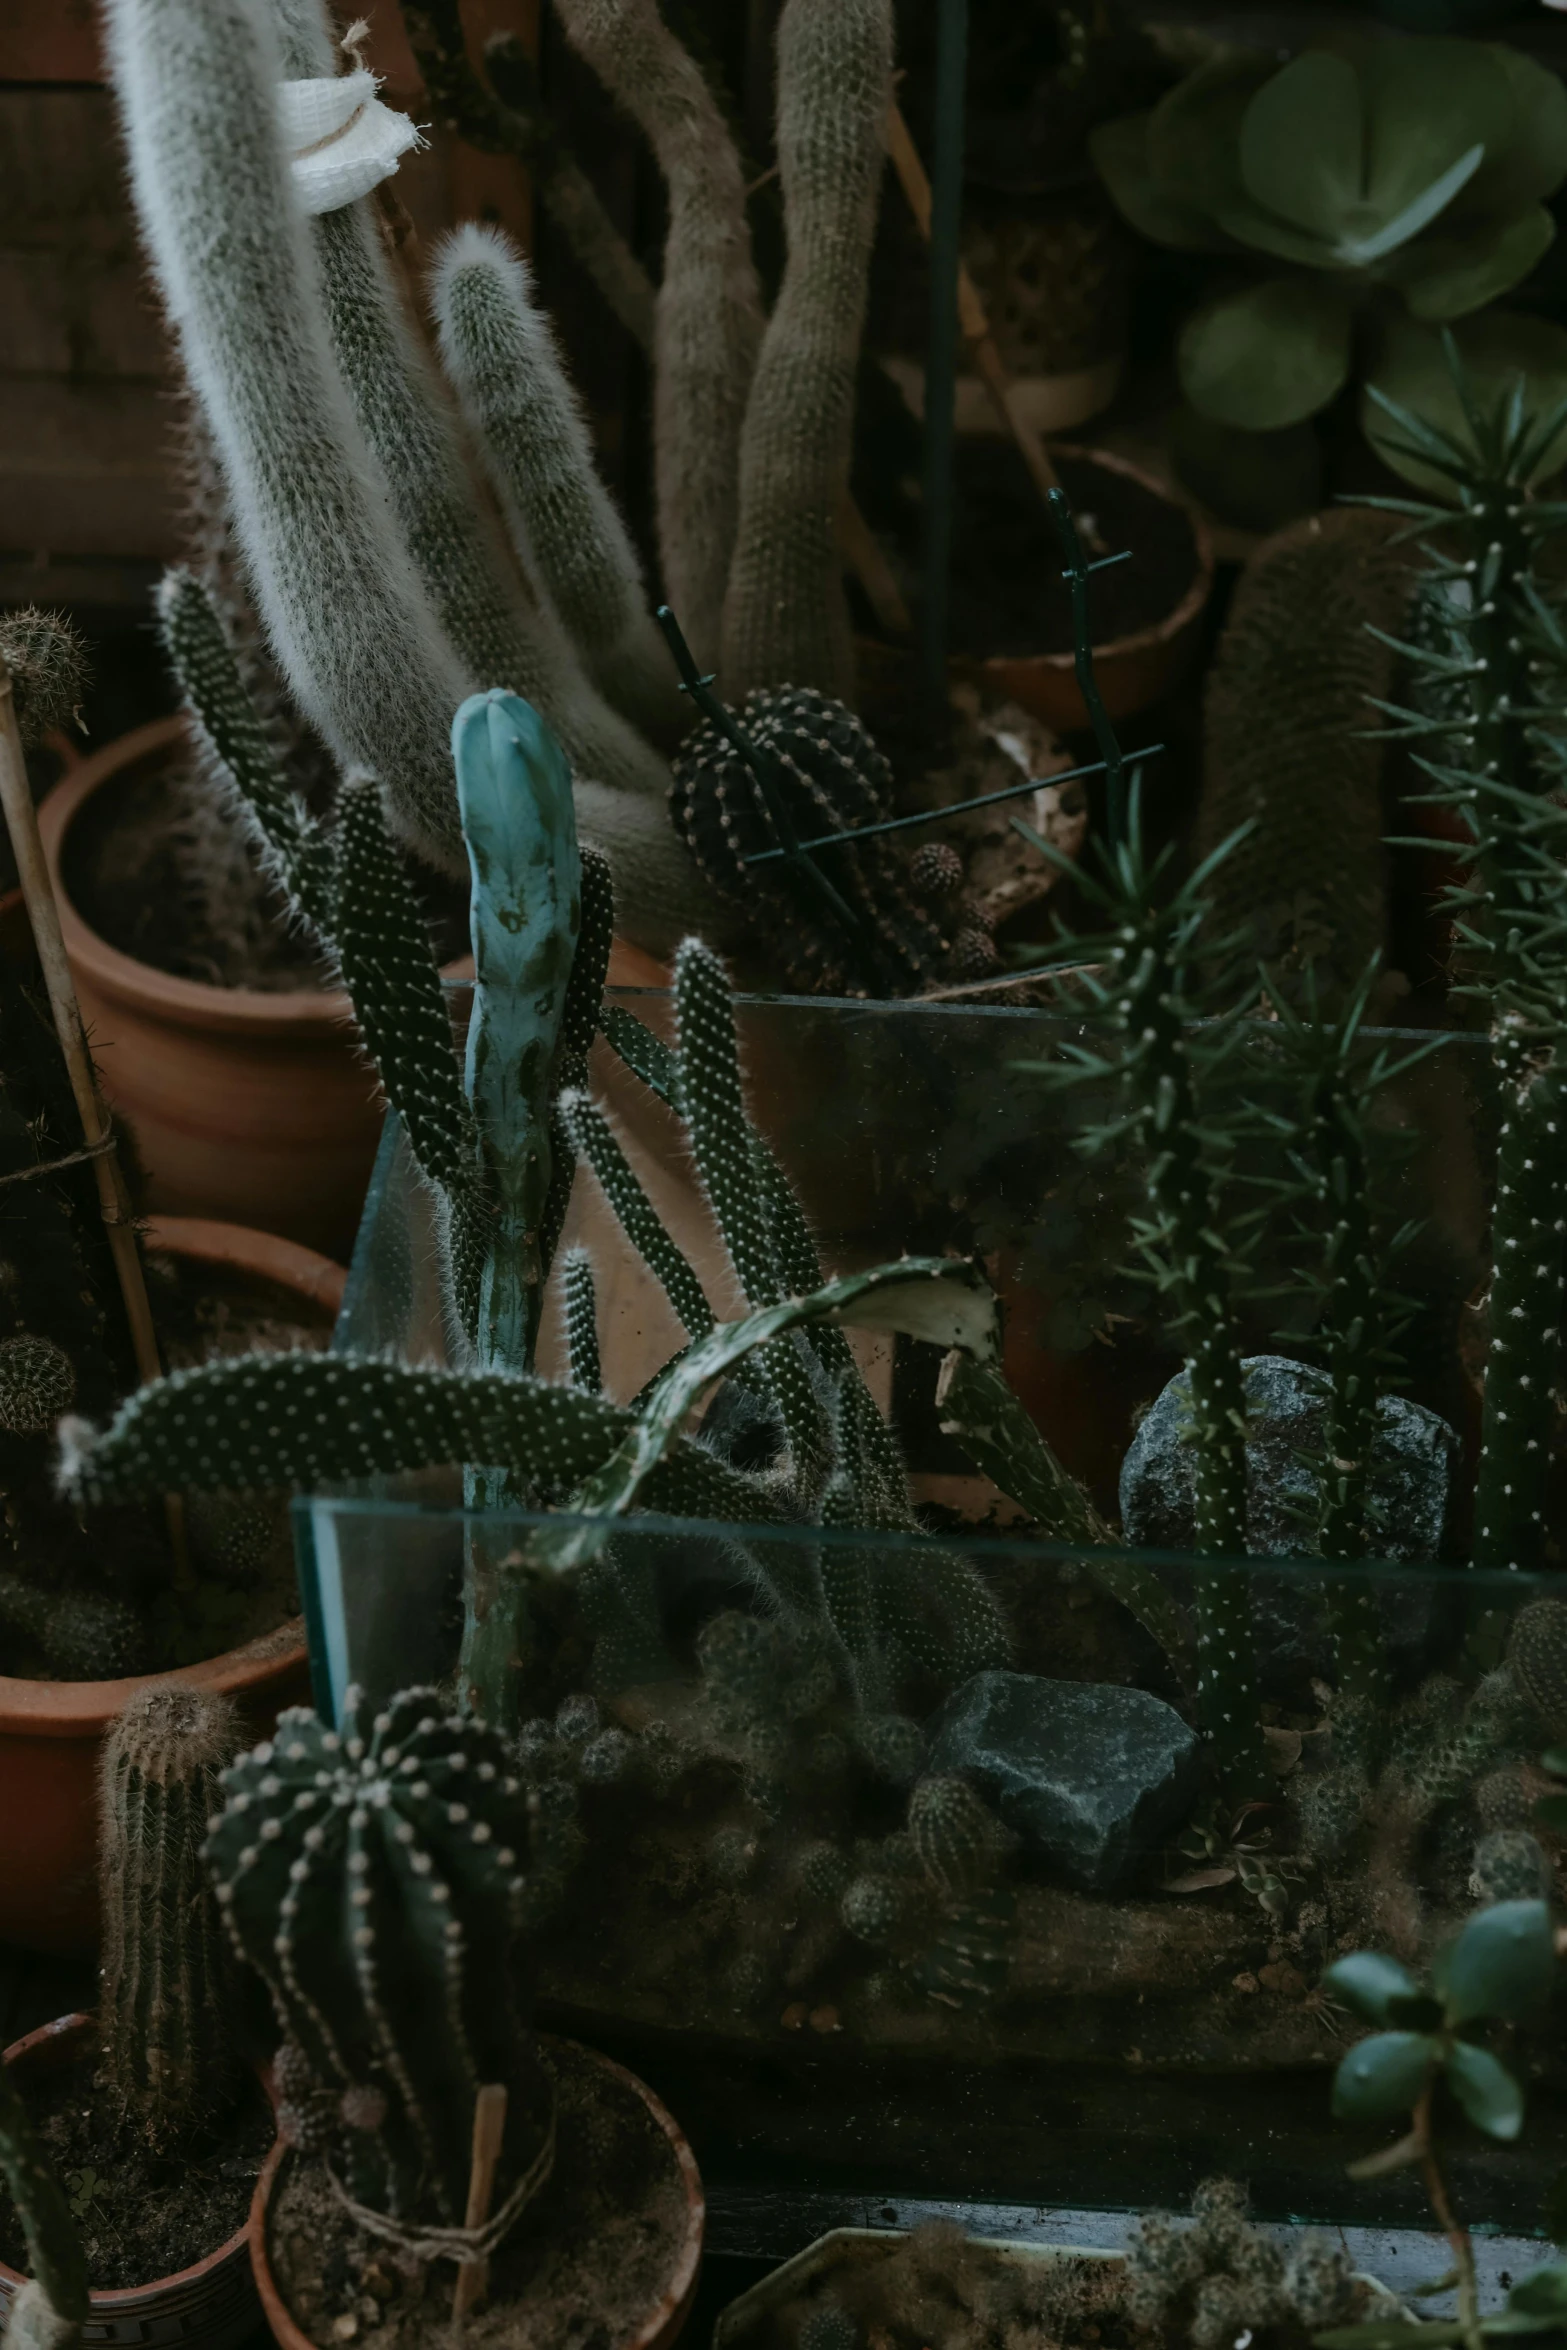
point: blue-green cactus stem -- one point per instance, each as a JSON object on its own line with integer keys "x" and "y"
{"x": 581, "y": 1314}
{"x": 48, "y": 2313}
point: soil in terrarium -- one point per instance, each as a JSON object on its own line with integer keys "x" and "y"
{"x": 144, "y": 2210}
{"x": 588, "y": 2262}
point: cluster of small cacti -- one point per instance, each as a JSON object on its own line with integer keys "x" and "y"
{"x": 1221, "y": 2276}
{"x": 385, "y": 595}
{"x": 373, "y": 1877}
{"x": 166, "y": 1999}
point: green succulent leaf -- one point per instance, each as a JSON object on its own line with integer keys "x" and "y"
{"x": 1530, "y": 163}
{"x": 1429, "y": 104}
{"x": 1301, "y": 144}
{"x": 1497, "y": 347}
{"x": 1485, "y": 2089}
{"x": 1502, "y": 1963}
{"x": 1269, "y": 355}
{"x": 1194, "y": 131}
{"x": 1150, "y": 204}
{"x": 1555, "y": 1759}
{"x": 1444, "y": 277}
{"x": 1551, "y": 1812}
{"x": 1383, "y": 2076}
{"x": 1367, "y": 1980}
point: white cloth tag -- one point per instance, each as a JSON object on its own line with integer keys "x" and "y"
{"x": 341, "y": 140}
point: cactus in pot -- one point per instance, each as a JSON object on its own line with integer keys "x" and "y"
{"x": 50, "y": 2309}
{"x": 1372, "y": 188}
{"x": 372, "y": 1877}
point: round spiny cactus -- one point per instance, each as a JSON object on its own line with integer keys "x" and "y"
{"x": 873, "y": 1908}
{"x": 891, "y": 1744}
{"x": 954, "y": 1833}
{"x": 975, "y": 954}
{"x": 47, "y": 664}
{"x": 374, "y": 1879}
{"x": 1510, "y": 1865}
{"x": 822, "y": 1872}
{"x": 576, "y": 1718}
{"x": 833, "y": 779}
{"x": 1538, "y": 1655}
{"x": 82, "y": 1635}
{"x": 37, "y": 1384}
{"x": 935, "y": 871}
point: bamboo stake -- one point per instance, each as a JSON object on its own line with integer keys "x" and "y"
{"x": 21, "y": 822}
{"x": 973, "y": 324}
{"x": 489, "y": 2127}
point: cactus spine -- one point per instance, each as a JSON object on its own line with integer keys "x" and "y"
{"x": 1496, "y": 769}
{"x": 166, "y": 2001}
{"x": 48, "y": 2312}
{"x": 708, "y": 317}
{"x": 372, "y": 1878}
{"x": 786, "y": 619}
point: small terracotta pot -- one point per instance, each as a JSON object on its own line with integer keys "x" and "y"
{"x": 1131, "y": 671}
{"x": 50, "y": 1730}
{"x": 662, "y": 2323}
{"x": 211, "y": 2306}
{"x": 260, "y": 1109}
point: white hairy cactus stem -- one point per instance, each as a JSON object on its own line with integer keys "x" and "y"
{"x": 786, "y": 618}
{"x": 361, "y": 647}
{"x": 708, "y": 320}
{"x": 499, "y": 350}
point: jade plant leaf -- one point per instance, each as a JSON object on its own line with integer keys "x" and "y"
{"x": 1444, "y": 277}
{"x": 1302, "y": 144}
{"x": 1496, "y": 348}
{"x": 1429, "y": 103}
{"x": 1149, "y": 203}
{"x": 1502, "y": 1963}
{"x": 1382, "y": 2077}
{"x": 1486, "y": 2090}
{"x": 1194, "y": 131}
{"x": 1269, "y": 355}
{"x": 1531, "y": 162}
{"x": 1541, "y": 2294}
{"x": 1368, "y": 1980}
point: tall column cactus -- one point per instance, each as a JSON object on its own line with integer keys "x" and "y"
{"x": 786, "y": 619}
{"x": 499, "y": 350}
{"x": 373, "y": 1878}
{"x": 708, "y": 316}
{"x": 1492, "y": 762}
{"x": 166, "y": 2004}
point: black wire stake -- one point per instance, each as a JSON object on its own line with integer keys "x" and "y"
{"x": 1076, "y": 576}
{"x": 764, "y": 770}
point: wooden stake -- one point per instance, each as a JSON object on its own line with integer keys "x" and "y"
{"x": 972, "y": 322}
{"x": 21, "y": 822}
{"x": 489, "y": 2127}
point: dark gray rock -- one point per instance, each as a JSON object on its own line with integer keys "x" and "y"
{"x": 1407, "y": 1506}
{"x": 1089, "y": 1774}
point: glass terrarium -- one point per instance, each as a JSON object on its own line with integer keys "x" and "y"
{"x": 971, "y": 1919}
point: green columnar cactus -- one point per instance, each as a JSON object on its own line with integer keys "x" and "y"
{"x": 1157, "y": 974}
{"x": 955, "y": 1834}
{"x": 708, "y": 317}
{"x": 166, "y": 2000}
{"x": 373, "y": 1879}
{"x": 499, "y": 350}
{"x": 49, "y": 2311}
{"x": 581, "y": 1314}
{"x": 786, "y": 619}
{"x": 1491, "y": 762}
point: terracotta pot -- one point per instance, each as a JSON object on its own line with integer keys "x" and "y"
{"x": 1131, "y": 671}
{"x": 50, "y": 1730}
{"x": 211, "y": 2306}
{"x": 660, "y": 2326}
{"x": 256, "y": 1108}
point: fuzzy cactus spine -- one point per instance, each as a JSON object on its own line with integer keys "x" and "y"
{"x": 167, "y": 1994}
{"x": 707, "y": 325}
{"x": 372, "y": 1877}
{"x": 499, "y": 350}
{"x": 786, "y": 618}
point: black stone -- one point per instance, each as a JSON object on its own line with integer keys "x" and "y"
{"x": 1090, "y": 1775}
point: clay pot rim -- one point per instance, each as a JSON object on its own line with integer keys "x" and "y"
{"x": 185, "y": 1003}
{"x": 122, "y": 2301}
{"x": 192, "y": 1003}
{"x": 84, "y": 1709}
{"x": 663, "y": 2323}
{"x": 1142, "y": 640}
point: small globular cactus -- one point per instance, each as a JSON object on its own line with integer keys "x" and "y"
{"x": 1213, "y": 2280}
{"x": 37, "y": 1384}
{"x": 1537, "y": 1653}
{"x": 935, "y": 872}
{"x": 955, "y": 1833}
{"x": 46, "y": 662}
{"x": 167, "y": 1971}
{"x": 1510, "y": 1865}
{"x": 874, "y": 1907}
{"x": 374, "y": 1879}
